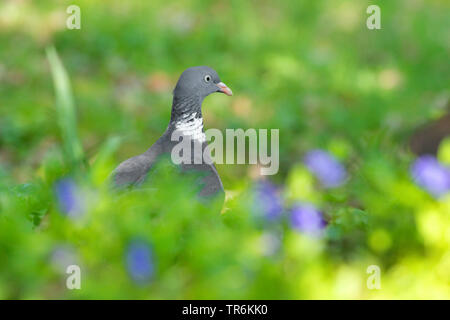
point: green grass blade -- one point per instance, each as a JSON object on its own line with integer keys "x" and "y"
{"x": 65, "y": 110}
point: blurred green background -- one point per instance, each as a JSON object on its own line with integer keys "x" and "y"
{"x": 311, "y": 69}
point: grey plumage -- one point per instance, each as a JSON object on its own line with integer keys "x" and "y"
{"x": 192, "y": 87}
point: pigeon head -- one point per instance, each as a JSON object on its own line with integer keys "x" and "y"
{"x": 199, "y": 82}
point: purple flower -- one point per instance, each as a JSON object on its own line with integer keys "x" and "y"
{"x": 63, "y": 256}
{"x": 139, "y": 261}
{"x": 268, "y": 201}
{"x": 306, "y": 218}
{"x": 432, "y": 176}
{"x": 326, "y": 168}
{"x": 69, "y": 199}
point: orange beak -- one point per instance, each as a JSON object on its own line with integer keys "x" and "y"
{"x": 224, "y": 89}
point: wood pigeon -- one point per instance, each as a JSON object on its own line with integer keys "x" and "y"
{"x": 193, "y": 86}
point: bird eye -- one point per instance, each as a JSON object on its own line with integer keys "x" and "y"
{"x": 208, "y": 78}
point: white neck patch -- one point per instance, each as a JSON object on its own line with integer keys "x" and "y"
{"x": 191, "y": 126}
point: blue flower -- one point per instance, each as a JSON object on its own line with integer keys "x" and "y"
{"x": 139, "y": 260}
{"x": 69, "y": 199}
{"x": 432, "y": 176}
{"x": 326, "y": 168}
{"x": 268, "y": 200}
{"x": 306, "y": 218}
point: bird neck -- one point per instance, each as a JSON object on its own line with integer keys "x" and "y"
{"x": 187, "y": 117}
{"x": 184, "y": 106}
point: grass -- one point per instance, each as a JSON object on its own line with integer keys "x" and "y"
{"x": 77, "y": 102}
